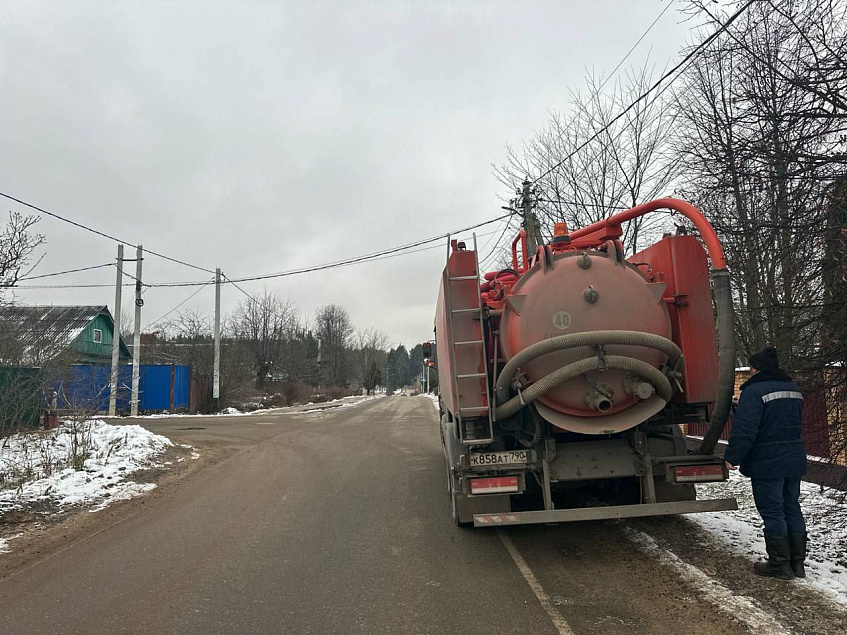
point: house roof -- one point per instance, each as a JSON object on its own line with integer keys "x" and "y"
{"x": 42, "y": 332}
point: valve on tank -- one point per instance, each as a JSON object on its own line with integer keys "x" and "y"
{"x": 638, "y": 388}
{"x": 599, "y": 396}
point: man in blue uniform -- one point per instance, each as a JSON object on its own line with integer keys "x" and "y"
{"x": 767, "y": 445}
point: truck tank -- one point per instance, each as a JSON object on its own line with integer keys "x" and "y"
{"x": 581, "y": 292}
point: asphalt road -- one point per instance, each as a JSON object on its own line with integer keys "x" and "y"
{"x": 337, "y": 522}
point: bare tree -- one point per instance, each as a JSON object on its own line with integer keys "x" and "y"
{"x": 333, "y": 328}
{"x": 263, "y": 324}
{"x": 17, "y": 244}
{"x": 371, "y": 357}
{"x": 188, "y": 339}
{"x": 591, "y": 167}
{"x": 762, "y": 143}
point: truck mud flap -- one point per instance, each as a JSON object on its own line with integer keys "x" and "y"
{"x": 603, "y": 513}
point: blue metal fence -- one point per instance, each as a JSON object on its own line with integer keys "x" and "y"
{"x": 87, "y": 386}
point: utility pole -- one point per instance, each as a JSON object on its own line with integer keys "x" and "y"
{"x": 216, "y": 373}
{"x": 116, "y": 336}
{"x": 530, "y": 223}
{"x": 136, "y": 340}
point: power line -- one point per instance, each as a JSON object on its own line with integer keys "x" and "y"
{"x": 385, "y": 257}
{"x": 251, "y": 298}
{"x": 103, "y": 234}
{"x": 67, "y": 286}
{"x": 179, "y": 305}
{"x": 379, "y": 255}
{"x": 371, "y": 256}
{"x": 61, "y": 273}
{"x": 690, "y": 56}
{"x": 497, "y": 244}
{"x": 634, "y": 46}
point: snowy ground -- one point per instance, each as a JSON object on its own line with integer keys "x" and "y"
{"x": 433, "y": 398}
{"x": 74, "y": 465}
{"x": 235, "y": 412}
{"x": 741, "y": 530}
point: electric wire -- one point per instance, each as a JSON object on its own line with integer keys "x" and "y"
{"x": 99, "y": 233}
{"x": 380, "y": 255}
{"x": 154, "y": 322}
{"x": 250, "y": 297}
{"x": 689, "y": 57}
{"x": 486, "y": 259}
{"x": 371, "y": 256}
{"x": 69, "y": 286}
{"x": 62, "y": 273}
{"x": 634, "y": 46}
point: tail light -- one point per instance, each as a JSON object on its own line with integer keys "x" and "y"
{"x": 698, "y": 473}
{"x": 495, "y": 485}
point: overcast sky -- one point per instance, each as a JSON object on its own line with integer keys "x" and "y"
{"x": 261, "y": 137}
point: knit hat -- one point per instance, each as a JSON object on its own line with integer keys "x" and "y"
{"x": 766, "y": 359}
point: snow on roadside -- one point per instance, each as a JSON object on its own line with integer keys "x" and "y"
{"x": 235, "y": 412}
{"x": 4, "y": 543}
{"x": 38, "y": 467}
{"x": 226, "y": 412}
{"x": 433, "y": 398}
{"x": 326, "y": 407}
{"x": 741, "y": 530}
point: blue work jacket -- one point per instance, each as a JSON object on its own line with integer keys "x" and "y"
{"x": 766, "y": 439}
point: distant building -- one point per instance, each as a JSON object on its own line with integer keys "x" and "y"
{"x": 35, "y": 335}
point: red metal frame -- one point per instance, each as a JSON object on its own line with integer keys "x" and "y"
{"x": 522, "y": 238}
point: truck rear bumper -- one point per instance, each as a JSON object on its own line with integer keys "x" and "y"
{"x": 603, "y": 513}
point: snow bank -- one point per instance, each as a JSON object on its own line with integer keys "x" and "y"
{"x": 826, "y": 518}
{"x": 432, "y": 398}
{"x": 235, "y": 412}
{"x": 326, "y": 407}
{"x": 41, "y": 467}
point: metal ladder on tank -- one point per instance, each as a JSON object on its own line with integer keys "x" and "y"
{"x": 461, "y": 412}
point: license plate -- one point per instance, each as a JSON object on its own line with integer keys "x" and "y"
{"x": 512, "y": 457}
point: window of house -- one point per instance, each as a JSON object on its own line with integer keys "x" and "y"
{"x": 98, "y": 336}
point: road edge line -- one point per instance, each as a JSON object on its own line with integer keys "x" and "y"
{"x": 559, "y": 622}
{"x": 740, "y": 607}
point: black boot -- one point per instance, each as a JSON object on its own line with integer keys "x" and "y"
{"x": 797, "y": 543}
{"x": 778, "y": 564}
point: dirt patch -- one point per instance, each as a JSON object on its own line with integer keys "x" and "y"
{"x": 41, "y": 530}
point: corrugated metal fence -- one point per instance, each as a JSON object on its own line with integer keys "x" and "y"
{"x": 161, "y": 387}
{"x": 20, "y": 397}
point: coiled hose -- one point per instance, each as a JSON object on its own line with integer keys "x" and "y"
{"x": 574, "y": 340}
{"x": 547, "y": 383}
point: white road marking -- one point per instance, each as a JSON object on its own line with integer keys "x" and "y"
{"x": 546, "y": 603}
{"x": 724, "y": 599}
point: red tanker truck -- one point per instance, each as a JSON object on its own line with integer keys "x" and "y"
{"x": 564, "y": 378}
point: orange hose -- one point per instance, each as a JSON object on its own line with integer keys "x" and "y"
{"x": 713, "y": 244}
